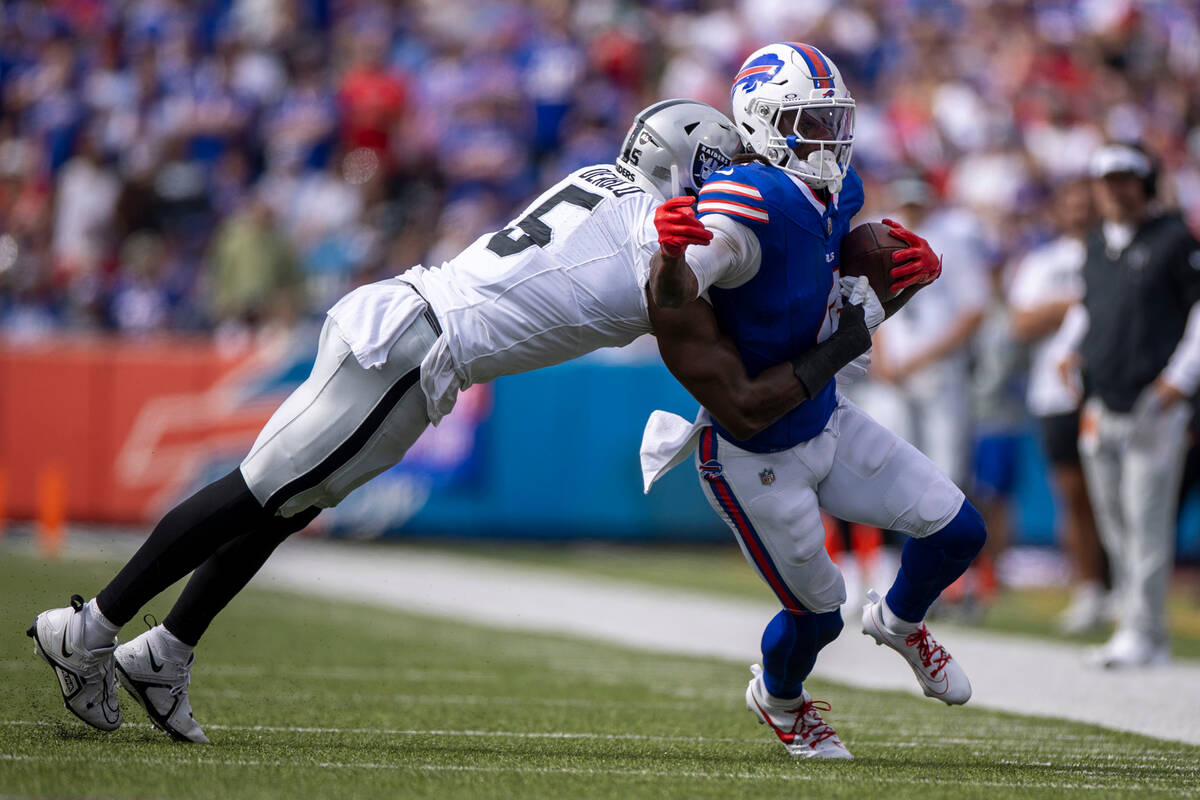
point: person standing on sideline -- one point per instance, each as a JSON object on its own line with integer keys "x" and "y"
{"x": 1139, "y": 356}
{"x": 1047, "y": 282}
{"x": 921, "y": 357}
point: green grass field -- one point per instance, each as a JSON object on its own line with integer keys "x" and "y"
{"x": 308, "y": 698}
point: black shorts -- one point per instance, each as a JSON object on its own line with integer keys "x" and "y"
{"x": 1060, "y": 438}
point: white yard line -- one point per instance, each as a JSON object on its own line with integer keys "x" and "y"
{"x": 158, "y": 763}
{"x": 1163, "y": 763}
{"x": 1011, "y": 673}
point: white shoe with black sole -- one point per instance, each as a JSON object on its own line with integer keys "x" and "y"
{"x": 86, "y": 677}
{"x": 160, "y": 684}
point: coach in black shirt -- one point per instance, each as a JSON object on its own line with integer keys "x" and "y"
{"x": 1140, "y": 362}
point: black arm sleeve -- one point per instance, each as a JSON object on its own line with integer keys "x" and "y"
{"x": 819, "y": 365}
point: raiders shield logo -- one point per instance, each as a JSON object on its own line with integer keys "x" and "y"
{"x": 767, "y": 476}
{"x": 707, "y": 161}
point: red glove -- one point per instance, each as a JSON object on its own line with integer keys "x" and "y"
{"x": 677, "y": 226}
{"x": 918, "y": 264}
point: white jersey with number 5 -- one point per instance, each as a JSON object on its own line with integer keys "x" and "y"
{"x": 564, "y": 278}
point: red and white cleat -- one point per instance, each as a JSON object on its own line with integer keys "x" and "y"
{"x": 940, "y": 676}
{"x": 797, "y": 722}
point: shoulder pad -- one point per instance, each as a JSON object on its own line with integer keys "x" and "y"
{"x": 736, "y": 192}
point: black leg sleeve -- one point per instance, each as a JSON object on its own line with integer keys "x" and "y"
{"x": 225, "y": 573}
{"x": 182, "y": 540}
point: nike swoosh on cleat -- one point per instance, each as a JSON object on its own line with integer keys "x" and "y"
{"x": 66, "y": 653}
{"x": 941, "y": 687}
{"x": 784, "y": 737}
{"x": 154, "y": 665}
{"x": 109, "y": 705}
{"x": 160, "y": 720}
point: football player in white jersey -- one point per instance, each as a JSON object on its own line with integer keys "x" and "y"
{"x": 566, "y": 277}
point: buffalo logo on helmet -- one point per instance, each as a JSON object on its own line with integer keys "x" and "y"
{"x": 705, "y": 162}
{"x": 760, "y": 70}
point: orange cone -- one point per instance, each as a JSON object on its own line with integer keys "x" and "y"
{"x": 52, "y": 509}
{"x": 3, "y": 505}
{"x": 866, "y": 541}
{"x": 833, "y": 539}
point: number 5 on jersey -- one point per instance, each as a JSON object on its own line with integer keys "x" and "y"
{"x": 535, "y": 231}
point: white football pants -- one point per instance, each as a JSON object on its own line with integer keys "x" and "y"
{"x": 1133, "y": 479}
{"x": 343, "y": 426}
{"x": 855, "y": 469}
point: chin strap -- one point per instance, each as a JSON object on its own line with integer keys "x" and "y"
{"x": 834, "y": 185}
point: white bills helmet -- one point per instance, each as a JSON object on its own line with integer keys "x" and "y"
{"x": 673, "y": 146}
{"x": 790, "y": 103}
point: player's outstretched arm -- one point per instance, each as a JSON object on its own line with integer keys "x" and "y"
{"x": 672, "y": 282}
{"x": 708, "y": 365}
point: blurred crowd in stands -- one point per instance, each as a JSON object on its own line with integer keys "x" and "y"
{"x": 234, "y": 166}
{"x": 229, "y": 164}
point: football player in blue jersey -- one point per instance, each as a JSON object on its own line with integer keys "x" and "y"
{"x": 771, "y": 228}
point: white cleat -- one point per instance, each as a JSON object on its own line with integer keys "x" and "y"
{"x": 160, "y": 685}
{"x": 86, "y": 677}
{"x": 940, "y": 676}
{"x": 1128, "y": 649}
{"x": 1087, "y": 611}
{"x": 796, "y": 722}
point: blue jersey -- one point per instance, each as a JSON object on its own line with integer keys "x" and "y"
{"x": 793, "y": 301}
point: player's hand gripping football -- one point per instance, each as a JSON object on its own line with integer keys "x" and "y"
{"x": 858, "y": 291}
{"x": 917, "y": 264}
{"x": 856, "y": 370}
{"x": 678, "y": 226}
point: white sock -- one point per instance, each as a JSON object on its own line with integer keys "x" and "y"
{"x": 98, "y": 632}
{"x": 895, "y": 624}
{"x": 772, "y": 701}
{"x": 170, "y": 646}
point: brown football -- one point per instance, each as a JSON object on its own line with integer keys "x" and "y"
{"x": 867, "y": 250}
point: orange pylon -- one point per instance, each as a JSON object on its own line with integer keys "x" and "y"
{"x": 833, "y": 539}
{"x": 3, "y": 505}
{"x": 52, "y": 509}
{"x": 866, "y": 541}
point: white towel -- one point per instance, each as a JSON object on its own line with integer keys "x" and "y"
{"x": 667, "y": 441}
